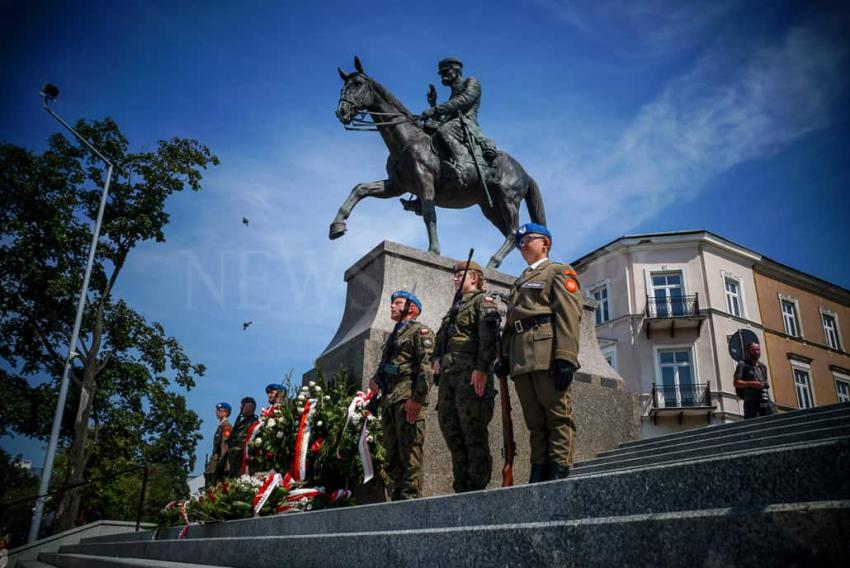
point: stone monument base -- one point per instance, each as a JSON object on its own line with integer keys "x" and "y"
{"x": 605, "y": 415}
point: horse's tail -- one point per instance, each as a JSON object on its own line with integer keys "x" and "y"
{"x": 534, "y": 202}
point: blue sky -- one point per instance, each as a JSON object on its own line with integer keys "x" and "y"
{"x": 632, "y": 116}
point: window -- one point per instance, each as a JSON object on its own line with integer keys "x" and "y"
{"x": 668, "y": 294}
{"x": 677, "y": 382}
{"x": 790, "y": 318}
{"x": 733, "y": 296}
{"x": 610, "y": 354}
{"x": 804, "y": 390}
{"x": 842, "y": 388}
{"x": 600, "y": 294}
{"x": 830, "y": 330}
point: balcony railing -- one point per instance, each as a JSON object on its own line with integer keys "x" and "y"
{"x": 672, "y": 306}
{"x": 681, "y": 396}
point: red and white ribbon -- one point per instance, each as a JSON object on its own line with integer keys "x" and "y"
{"x": 361, "y": 399}
{"x": 269, "y": 485}
{"x": 302, "y": 441}
{"x": 253, "y": 429}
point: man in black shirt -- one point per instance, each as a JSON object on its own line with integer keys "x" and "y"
{"x": 751, "y": 384}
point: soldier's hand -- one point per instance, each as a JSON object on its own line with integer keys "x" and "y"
{"x": 562, "y": 374}
{"x": 435, "y": 366}
{"x": 478, "y": 382}
{"x": 411, "y": 410}
{"x": 373, "y": 386}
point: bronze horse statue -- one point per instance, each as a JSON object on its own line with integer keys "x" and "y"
{"x": 414, "y": 166}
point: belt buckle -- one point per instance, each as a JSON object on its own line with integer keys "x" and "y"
{"x": 518, "y": 326}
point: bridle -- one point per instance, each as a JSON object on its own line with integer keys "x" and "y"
{"x": 360, "y": 122}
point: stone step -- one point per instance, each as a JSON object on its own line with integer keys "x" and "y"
{"x": 33, "y": 564}
{"x": 710, "y": 449}
{"x": 762, "y": 421}
{"x": 804, "y": 472}
{"x": 827, "y": 428}
{"x": 811, "y": 534}
{"x": 62, "y": 560}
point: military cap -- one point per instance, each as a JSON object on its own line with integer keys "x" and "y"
{"x": 473, "y": 266}
{"x": 249, "y": 399}
{"x": 274, "y": 387}
{"x": 223, "y": 406}
{"x": 532, "y": 228}
{"x": 448, "y": 63}
{"x": 407, "y": 296}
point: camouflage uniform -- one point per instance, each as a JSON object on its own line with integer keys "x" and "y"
{"x": 542, "y": 325}
{"x": 217, "y": 468}
{"x": 408, "y": 374}
{"x": 470, "y": 344}
{"x": 237, "y": 443}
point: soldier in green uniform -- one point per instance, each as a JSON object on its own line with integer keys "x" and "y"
{"x": 540, "y": 351}
{"x": 240, "y": 432}
{"x": 217, "y": 466}
{"x": 466, "y": 349}
{"x": 405, "y": 380}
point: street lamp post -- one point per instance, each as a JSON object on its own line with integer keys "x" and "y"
{"x": 50, "y": 93}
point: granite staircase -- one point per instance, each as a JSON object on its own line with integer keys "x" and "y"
{"x": 772, "y": 491}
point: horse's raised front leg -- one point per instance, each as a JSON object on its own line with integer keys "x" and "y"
{"x": 382, "y": 189}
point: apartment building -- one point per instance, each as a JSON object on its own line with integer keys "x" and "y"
{"x": 806, "y": 326}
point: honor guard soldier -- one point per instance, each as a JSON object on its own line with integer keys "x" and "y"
{"x": 240, "y": 434}
{"x": 217, "y": 466}
{"x": 466, "y": 349}
{"x": 403, "y": 379}
{"x": 540, "y": 351}
{"x": 275, "y": 392}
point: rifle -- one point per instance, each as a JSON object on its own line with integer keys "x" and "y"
{"x": 389, "y": 351}
{"x": 444, "y": 339}
{"x": 508, "y": 443}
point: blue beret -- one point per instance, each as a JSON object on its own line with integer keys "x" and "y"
{"x": 407, "y": 296}
{"x": 274, "y": 387}
{"x": 223, "y": 406}
{"x": 529, "y": 228}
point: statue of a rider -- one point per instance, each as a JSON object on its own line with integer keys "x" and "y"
{"x": 450, "y": 128}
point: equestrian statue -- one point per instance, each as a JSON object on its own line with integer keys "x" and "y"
{"x": 441, "y": 156}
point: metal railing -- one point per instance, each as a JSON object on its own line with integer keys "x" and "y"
{"x": 672, "y": 306}
{"x": 681, "y": 396}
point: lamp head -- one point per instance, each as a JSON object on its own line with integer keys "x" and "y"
{"x": 49, "y": 92}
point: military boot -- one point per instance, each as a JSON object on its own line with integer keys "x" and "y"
{"x": 555, "y": 471}
{"x": 537, "y": 471}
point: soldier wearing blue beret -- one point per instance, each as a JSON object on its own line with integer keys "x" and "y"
{"x": 404, "y": 379}
{"x": 217, "y": 467}
{"x": 274, "y": 391}
{"x": 540, "y": 351}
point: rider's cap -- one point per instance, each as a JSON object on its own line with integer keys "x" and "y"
{"x": 473, "y": 266}
{"x": 407, "y": 296}
{"x": 532, "y": 228}
{"x": 223, "y": 406}
{"x": 274, "y": 387}
{"x": 448, "y": 63}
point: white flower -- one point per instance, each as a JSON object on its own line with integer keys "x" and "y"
{"x": 312, "y": 383}
{"x": 280, "y": 435}
{"x": 270, "y": 423}
{"x": 302, "y": 397}
{"x": 258, "y": 441}
{"x": 300, "y": 409}
{"x": 327, "y": 397}
{"x": 317, "y": 388}
{"x": 320, "y": 423}
{"x": 305, "y": 388}
{"x": 309, "y": 507}
{"x": 371, "y": 418}
{"x": 370, "y": 439}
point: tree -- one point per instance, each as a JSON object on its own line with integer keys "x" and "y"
{"x": 121, "y": 401}
{"x": 17, "y": 483}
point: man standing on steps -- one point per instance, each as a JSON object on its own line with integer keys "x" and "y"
{"x": 751, "y": 384}
{"x": 240, "y": 434}
{"x": 466, "y": 349}
{"x": 404, "y": 380}
{"x": 540, "y": 351}
{"x": 217, "y": 467}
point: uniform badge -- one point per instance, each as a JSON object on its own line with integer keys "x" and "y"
{"x": 226, "y": 433}
{"x": 533, "y": 285}
{"x": 571, "y": 284}
{"x": 424, "y": 331}
{"x": 489, "y": 300}
{"x": 427, "y": 342}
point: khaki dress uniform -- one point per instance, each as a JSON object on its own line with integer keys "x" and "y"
{"x": 542, "y": 324}
{"x": 409, "y": 375}
{"x": 464, "y": 416}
